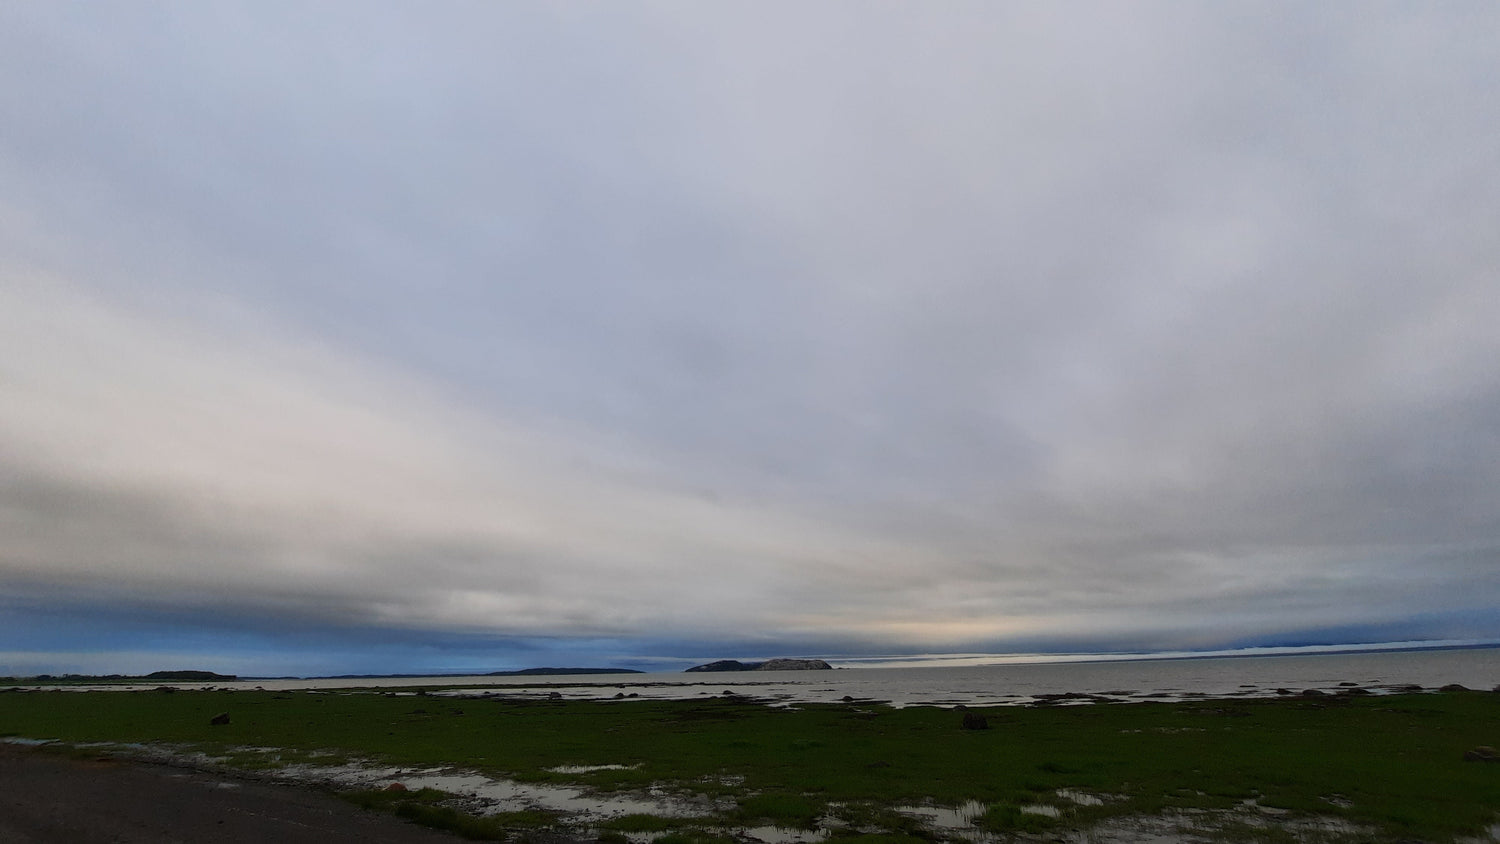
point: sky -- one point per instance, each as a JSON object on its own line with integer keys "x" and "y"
{"x": 363, "y": 337}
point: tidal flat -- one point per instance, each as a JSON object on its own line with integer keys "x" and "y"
{"x": 1320, "y": 768}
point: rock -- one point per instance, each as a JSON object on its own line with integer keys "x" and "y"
{"x": 395, "y": 786}
{"x": 619, "y": 695}
{"x": 554, "y": 696}
{"x": 1482, "y": 754}
{"x": 219, "y": 720}
{"x": 1313, "y": 693}
{"x": 1354, "y": 690}
{"x": 974, "y": 721}
{"x": 847, "y": 699}
{"x": 1285, "y": 692}
{"x": 1454, "y": 687}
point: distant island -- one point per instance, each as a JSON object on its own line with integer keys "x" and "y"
{"x": 768, "y": 665}
{"x": 156, "y": 676}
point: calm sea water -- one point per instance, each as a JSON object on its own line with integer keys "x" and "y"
{"x": 1259, "y": 676}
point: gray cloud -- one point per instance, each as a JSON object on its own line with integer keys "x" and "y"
{"x": 935, "y": 328}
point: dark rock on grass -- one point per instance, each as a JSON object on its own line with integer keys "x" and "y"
{"x": 395, "y": 786}
{"x": 1455, "y": 687}
{"x": 1482, "y": 754}
{"x": 1354, "y": 690}
{"x": 974, "y": 721}
{"x": 1314, "y": 693}
{"x": 219, "y": 720}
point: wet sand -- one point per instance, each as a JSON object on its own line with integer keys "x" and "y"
{"x": 46, "y": 797}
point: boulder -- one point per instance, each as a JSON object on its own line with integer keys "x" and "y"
{"x": 219, "y": 720}
{"x": 395, "y": 786}
{"x": 1454, "y": 687}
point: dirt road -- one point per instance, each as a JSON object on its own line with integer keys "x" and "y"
{"x": 47, "y": 798}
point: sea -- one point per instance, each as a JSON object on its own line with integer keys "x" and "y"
{"x": 1080, "y": 680}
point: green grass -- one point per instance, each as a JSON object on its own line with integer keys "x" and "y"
{"x": 1396, "y": 761}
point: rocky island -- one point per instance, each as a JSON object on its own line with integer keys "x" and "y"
{"x": 768, "y": 665}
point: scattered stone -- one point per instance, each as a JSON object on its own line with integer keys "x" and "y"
{"x": 1348, "y": 683}
{"x": 554, "y": 696}
{"x": 1313, "y": 693}
{"x": 219, "y": 720}
{"x": 619, "y": 695}
{"x": 1482, "y": 754}
{"x": 1455, "y": 687}
{"x": 395, "y": 786}
{"x": 166, "y": 690}
{"x": 975, "y": 721}
{"x": 633, "y": 694}
{"x": 847, "y": 699}
{"x": 1285, "y": 692}
{"x": 728, "y": 693}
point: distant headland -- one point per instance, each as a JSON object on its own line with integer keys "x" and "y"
{"x": 768, "y": 665}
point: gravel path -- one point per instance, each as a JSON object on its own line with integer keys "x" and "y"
{"x": 46, "y": 797}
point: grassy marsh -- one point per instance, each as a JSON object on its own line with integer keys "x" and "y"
{"x": 1392, "y": 763}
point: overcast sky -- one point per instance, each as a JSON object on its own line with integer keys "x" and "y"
{"x": 426, "y": 336}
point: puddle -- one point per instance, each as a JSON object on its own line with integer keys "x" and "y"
{"x": 944, "y": 817}
{"x": 1492, "y": 834}
{"x": 1042, "y": 809}
{"x": 499, "y": 795}
{"x": 778, "y": 835}
{"x": 1081, "y": 798}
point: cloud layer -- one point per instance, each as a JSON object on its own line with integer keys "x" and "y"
{"x": 839, "y": 328}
